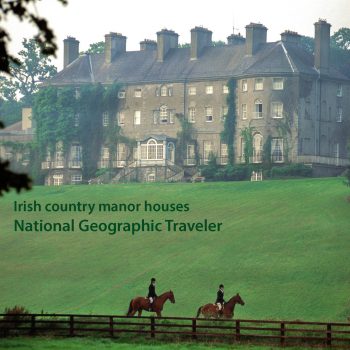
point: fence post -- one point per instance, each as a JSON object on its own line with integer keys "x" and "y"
{"x": 152, "y": 327}
{"x": 32, "y": 325}
{"x": 238, "y": 330}
{"x": 282, "y": 339}
{"x": 71, "y": 326}
{"x": 329, "y": 334}
{"x": 111, "y": 330}
{"x": 194, "y": 328}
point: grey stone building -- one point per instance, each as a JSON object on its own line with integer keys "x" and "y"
{"x": 296, "y": 99}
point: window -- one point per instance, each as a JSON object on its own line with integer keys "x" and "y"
{"x": 192, "y": 114}
{"x": 121, "y": 118}
{"x": 225, "y": 89}
{"x": 339, "y": 90}
{"x": 192, "y": 90}
{"x": 137, "y": 118}
{"x": 76, "y": 178}
{"x": 76, "y": 119}
{"x": 277, "y": 150}
{"x": 105, "y": 119}
{"x": 244, "y": 111}
{"x": 121, "y": 94}
{"x": 77, "y": 93}
{"x": 75, "y": 155}
{"x": 105, "y": 153}
{"x": 258, "y": 109}
{"x": 208, "y": 114}
{"x": 277, "y": 109}
{"x": 223, "y": 153}
{"x": 257, "y": 148}
{"x": 58, "y": 179}
{"x": 163, "y": 115}
{"x": 207, "y": 150}
{"x": 138, "y": 93}
{"x": 277, "y": 83}
{"x": 259, "y": 84}
{"x": 339, "y": 114}
{"x": 163, "y": 91}
{"x": 244, "y": 85}
{"x": 209, "y": 90}
{"x": 191, "y": 157}
{"x": 59, "y": 156}
{"x": 121, "y": 154}
{"x": 336, "y": 150}
{"x": 152, "y": 150}
{"x": 224, "y": 111}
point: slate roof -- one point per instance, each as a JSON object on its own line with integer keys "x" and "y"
{"x": 215, "y": 62}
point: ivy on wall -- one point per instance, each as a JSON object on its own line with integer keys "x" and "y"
{"x": 63, "y": 116}
{"x": 247, "y": 136}
{"x": 228, "y": 134}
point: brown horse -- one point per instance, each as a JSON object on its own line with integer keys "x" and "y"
{"x": 212, "y": 310}
{"x": 140, "y": 303}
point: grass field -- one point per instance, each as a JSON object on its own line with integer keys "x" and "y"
{"x": 284, "y": 247}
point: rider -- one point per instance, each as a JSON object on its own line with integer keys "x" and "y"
{"x": 220, "y": 301}
{"x": 152, "y": 292}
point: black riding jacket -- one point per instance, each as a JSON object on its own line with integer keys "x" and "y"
{"x": 220, "y": 297}
{"x": 151, "y": 291}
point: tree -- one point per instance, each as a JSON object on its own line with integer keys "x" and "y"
{"x": 98, "y": 47}
{"x": 33, "y": 68}
{"x": 24, "y": 10}
{"x": 342, "y": 38}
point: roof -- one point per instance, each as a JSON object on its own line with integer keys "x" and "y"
{"x": 215, "y": 62}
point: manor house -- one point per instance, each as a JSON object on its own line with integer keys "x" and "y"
{"x": 283, "y": 93}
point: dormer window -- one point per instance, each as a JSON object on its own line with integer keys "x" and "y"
{"x": 277, "y": 84}
{"x": 164, "y": 91}
{"x": 138, "y": 93}
{"x": 340, "y": 90}
{"x": 225, "y": 89}
{"x": 192, "y": 90}
{"x": 244, "y": 85}
{"x": 121, "y": 94}
{"x": 259, "y": 84}
{"x": 209, "y": 90}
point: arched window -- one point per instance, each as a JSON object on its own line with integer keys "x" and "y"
{"x": 152, "y": 150}
{"x": 163, "y": 114}
{"x": 163, "y": 90}
{"x": 257, "y": 148}
{"x": 171, "y": 152}
{"x": 258, "y": 109}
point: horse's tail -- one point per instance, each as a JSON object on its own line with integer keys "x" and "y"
{"x": 199, "y": 311}
{"x": 130, "y": 308}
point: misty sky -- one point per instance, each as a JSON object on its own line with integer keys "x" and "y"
{"x": 90, "y": 20}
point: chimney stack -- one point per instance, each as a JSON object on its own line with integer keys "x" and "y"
{"x": 166, "y": 40}
{"x": 322, "y": 46}
{"x": 200, "y": 38}
{"x": 235, "y": 39}
{"x": 115, "y": 44}
{"x": 255, "y": 37}
{"x": 148, "y": 45}
{"x": 289, "y": 36}
{"x": 70, "y": 50}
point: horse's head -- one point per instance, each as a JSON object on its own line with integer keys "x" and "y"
{"x": 239, "y": 300}
{"x": 172, "y": 297}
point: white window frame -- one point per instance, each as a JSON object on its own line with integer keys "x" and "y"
{"x": 257, "y": 148}
{"x": 257, "y": 113}
{"x": 137, "y": 118}
{"x": 244, "y": 111}
{"x": 190, "y": 154}
{"x": 209, "y": 89}
{"x": 57, "y": 179}
{"x": 152, "y": 150}
{"x": 279, "y": 158}
{"x": 209, "y": 117}
{"x": 244, "y": 85}
{"x": 121, "y": 118}
{"x": 277, "y": 110}
{"x": 76, "y": 119}
{"x": 340, "y": 90}
{"x": 163, "y": 115}
{"x": 76, "y": 178}
{"x": 259, "y": 84}
{"x": 138, "y": 93}
{"x": 225, "y": 89}
{"x": 277, "y": 83}
{"x": 192, "y": 114}
{"x": 105, "y": 119}
{"x": 163, "y": 90}
{"x": 121, "y": 94}
{"x": 207, "y": 150}
{"x": 339, "y": 114}
{"x": 192, "y": 90}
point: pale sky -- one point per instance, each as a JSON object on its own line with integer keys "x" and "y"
{"x": 90, "y": 20}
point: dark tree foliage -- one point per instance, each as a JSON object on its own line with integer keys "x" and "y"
{"x": 98, "y": 47}
{"x": 24, "y": 10}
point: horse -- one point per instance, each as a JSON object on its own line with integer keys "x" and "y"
{"x": 140, "y": 303}
{"x": 212, "y": 310}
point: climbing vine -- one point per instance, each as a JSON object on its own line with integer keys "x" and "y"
{"x": 247, "y": 135}
{"x": 184, "y": 137}
{"x": 228, "y": 134}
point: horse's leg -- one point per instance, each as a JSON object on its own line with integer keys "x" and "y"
{"x": 139, "y": 312}
{"x": 159, "y": 314}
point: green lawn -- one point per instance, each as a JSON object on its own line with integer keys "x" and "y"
{"x": 284, "y": 247}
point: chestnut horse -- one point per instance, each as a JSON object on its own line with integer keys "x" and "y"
{"x": 140, "y": 303}
{"x": 212, "y": 310}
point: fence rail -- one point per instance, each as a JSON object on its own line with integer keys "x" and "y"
{"x": 282, "y": 333}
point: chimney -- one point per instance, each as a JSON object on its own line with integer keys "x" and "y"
{"x": 27, "y": 120}
{"x": 200, "y": 38}
{"x": 289, "y": 36}
{"x": 322, "y": 46}
{"x": 166, "y": 40}
{"x": 235, "y": 39}
{"x": 148, "y": 45}
{"x": 115, "y": 44}
{"x": 255, "y": 36}
{"x": 70, "y": 50}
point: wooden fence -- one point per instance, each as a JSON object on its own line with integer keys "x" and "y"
{"x": 167, "y": 328}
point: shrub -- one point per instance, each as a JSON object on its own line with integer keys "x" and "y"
{"x": 291, "y": 170}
